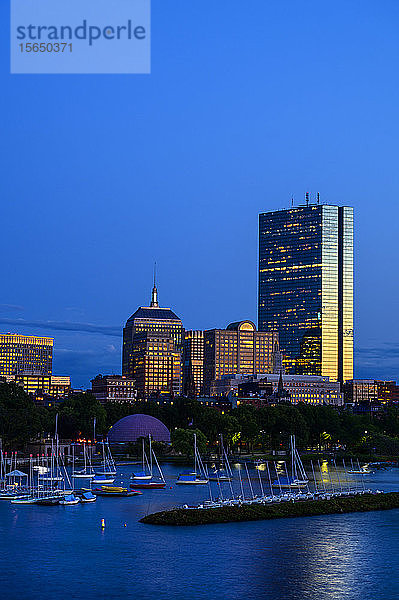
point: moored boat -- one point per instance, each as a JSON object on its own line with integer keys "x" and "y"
{"x": 88, "y": 497}
{"x": 196, "y": 477}
{"x": 98, "y": 479}
{"x": 148, "y": 485}
{"x": 24, "y": 500}
{"x": 190, "y": 479}
{"x": 115, "y": 491}
{"x": 48, "y": 501}
{"x": 69, "y": 500}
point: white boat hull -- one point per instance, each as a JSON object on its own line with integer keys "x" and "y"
{"x": 102, "y": 481}
{"x": 196, "y": 482}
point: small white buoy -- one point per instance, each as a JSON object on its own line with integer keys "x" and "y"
{"x": 102, "y": 523}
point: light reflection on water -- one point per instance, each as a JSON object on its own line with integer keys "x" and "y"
{"x": 58, "y": 552}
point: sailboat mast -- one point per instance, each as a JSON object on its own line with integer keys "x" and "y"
{"x": 195, "y": 454}
{"x": 149, "y": 438}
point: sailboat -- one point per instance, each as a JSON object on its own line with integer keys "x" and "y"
{"x": 87, "y": 472}
{"x": 148, "y": 484}
{"x": 225, "y": 472}
{"x": 298, "y": 472}
{"x": 108, "y": 463}
{"x": 107, "y": 475}
{"x": 197, "y": 477}
{"x": 146, "y": 472}
{"x": 298, "y": 477}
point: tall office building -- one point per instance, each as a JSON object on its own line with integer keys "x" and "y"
{"x": 193, "y": 363}
{"x": 152, "y": 349}
{"x": 306, "y": 287}
{"x": 21, "y": 353}
{"x": 237, "y": 349}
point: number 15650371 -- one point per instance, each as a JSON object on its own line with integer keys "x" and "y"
{"x": 43, "y": 47}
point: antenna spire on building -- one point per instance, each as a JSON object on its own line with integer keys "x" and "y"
{"x": 154, "y": 297}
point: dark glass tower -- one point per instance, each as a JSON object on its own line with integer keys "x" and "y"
{"x": 306, "y": 287}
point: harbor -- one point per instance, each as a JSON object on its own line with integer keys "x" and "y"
{"x": 49, "y": 542}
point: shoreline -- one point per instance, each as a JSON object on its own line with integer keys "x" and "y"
{"x": 279, "y": 510}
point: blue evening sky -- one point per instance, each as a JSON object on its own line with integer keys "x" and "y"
{"x": 248, "y": 104}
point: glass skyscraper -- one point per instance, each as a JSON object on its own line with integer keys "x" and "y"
{"x": 306, "y": 287}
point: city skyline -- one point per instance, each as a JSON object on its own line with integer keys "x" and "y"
{"x": 220, "y": 132}
{"x": 113, "y": 366}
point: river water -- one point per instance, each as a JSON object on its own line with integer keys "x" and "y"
{"x": 62, "y": 552}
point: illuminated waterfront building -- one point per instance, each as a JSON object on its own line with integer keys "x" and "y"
{"x": 22, "y": 353}
{"x": 306, "y": 287}
{"x": 237, "y": 349}
{"x": 193, "y": 363}
{"x": 153, "y": 348}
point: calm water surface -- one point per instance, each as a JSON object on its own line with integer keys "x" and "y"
{"x": 61, "y": 552}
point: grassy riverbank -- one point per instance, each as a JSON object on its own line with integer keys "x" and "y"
{"x": 258, "y": 512}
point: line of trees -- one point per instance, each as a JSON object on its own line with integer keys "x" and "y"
{"x": 244, "y": 428}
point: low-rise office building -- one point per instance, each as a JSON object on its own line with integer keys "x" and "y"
{"x": 310, "y": 389}
{"x": 113, "y": 388}
{"x": 371, "y": 391}
{"x": 36, "y": 384}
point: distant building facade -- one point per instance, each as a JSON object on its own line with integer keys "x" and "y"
{"x": 306, "y": 287}
{"x": 152, "y": 351}
{"x": 310, "y": 389}
{"x": 238, "y": 349}
{"x": 113, "y": 388}
{"x": 21, "y": 353}
{"x": 55, "y": 386}
{"x": 371, "y": 391}
{"x": 193, "y": 363}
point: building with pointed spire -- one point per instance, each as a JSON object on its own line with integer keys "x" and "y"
{"x": 152, "y": 349}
